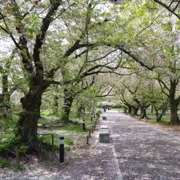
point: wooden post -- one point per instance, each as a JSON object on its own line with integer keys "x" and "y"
{"x": 52, "y": 135}
{"x": 87, "y": 139}
{"x": 89, "y": 132}
{"x": 92, "y": 129}
{"x": 17, "y": 155}
{"x": 84, "y": 125}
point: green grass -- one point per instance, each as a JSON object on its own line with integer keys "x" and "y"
{"x": 164, "y": 120}
{"x": 48, "y": 119}
{"x": 4, "y": 163}
{"x": 71, "y": 128}
{"x": 48, "y": 139}
{"x": 47, "y": 112}
{"x": 7, "y": 163}
{"x": 6, "y": 141}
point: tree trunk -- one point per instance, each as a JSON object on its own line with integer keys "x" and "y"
{"x": 173, "y": 103}
{"x": 56, "y": 105}
{"x": 152, "y": 109}
{"x": 67, "y": 108}
{"x": 31, "y": 103}
{"x": 158, "y": 115}
{"x": 125, "y": 110}
{"x": 143, "y": 113}
{"x": 174, "y": 112}
{"x": 129, "y": 109}
{"x": 160, "y": 111}
{"x": 135, "y": 111}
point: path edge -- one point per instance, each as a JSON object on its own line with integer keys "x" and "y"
{"x": 118, "y": 172}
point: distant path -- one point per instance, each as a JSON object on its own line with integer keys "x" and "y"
{"x": 137, "y": 151}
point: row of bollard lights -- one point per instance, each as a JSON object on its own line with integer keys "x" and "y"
{"x": 61, "y": 148}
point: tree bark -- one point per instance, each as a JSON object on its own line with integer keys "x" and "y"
{"x": 160, "y": 111}
{"x": 143, "y": 113}
{"x": 68, "y": 100}
{"x": 174, "y": 112}
{"x": 129, "y": 109}
{"x": 31, "y": 103}
{"x": 56, "y": 105}
{"x": 135, "y": 111}
{"x": 173, "y": 103}
{"x": 67, "y": 108}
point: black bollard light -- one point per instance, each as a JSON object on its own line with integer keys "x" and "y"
{"x": 84, "y": 126}
{"x": 61, "y": 150}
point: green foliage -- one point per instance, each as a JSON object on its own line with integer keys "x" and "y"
{"x": 72, "y": 128}
{"x": 4, "y": 163}
{"x": 69, "y": 142}
{"x": 9, "y": 123}
{"x": 8, "y": 143}
{"x": 164, "y": 121}
{"x": 18, "y": 167}
{"x": 22, "y": 150}
{"x": 48, "y": 119}
{"x": 48, "y": 139}
{"x": 47, "y": 112}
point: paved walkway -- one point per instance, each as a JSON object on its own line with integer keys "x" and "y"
{"x": 137, "y": 151}
{"x": 144, "y": 152}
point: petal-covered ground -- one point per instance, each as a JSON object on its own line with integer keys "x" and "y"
{"x": 137, "y": 151}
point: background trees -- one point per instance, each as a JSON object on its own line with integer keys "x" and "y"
{"x": 66, "y": 45}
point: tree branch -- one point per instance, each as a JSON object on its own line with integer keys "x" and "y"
{"x": 168, "y": 8}
{"x": 40, "y": 37}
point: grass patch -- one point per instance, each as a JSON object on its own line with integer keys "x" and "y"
{"x": 4, "y": 163}
{"x": 17, "y": 168}
{"x": 47, "y": 112}
{"x": 6, "y": 141}
{"x": 164, "y": 121}
{"x": 48, "y": 139}
{"x": 69, "y": 142}
{"x": 71, "y": 128}
{"x": 48, "y": 119}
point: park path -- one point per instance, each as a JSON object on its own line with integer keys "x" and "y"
{"x": 144, "y": 151}
{"x": 137, "y": 151}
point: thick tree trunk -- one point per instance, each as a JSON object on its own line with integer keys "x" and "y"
{"x": 135, "y": 111}
{"x": 129, "y": 109}
{"x": 174, "y": 112}
{"x": 143, "y": 113}
{"x": 173, "y": 103}
{"x": 31, "y": 103}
